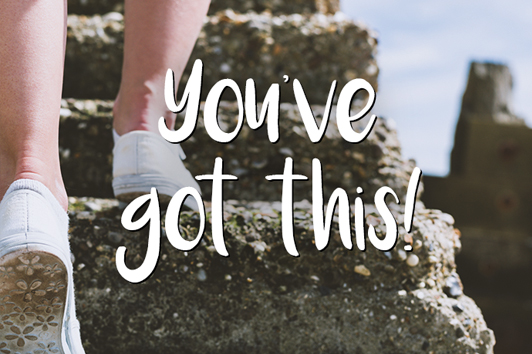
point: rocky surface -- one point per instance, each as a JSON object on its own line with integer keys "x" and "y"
{"x": 316, "y": 49}
{"x": 86, "y": 154}
{"x": 261, "y": 299}
{"x": 91, "y": 7}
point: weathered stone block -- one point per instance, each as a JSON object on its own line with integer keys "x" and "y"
{"x": 316, "y": 49}
{"x": 486, "y": 104}
{"x": 91, "y": 7}
{"x": 86, "y": 145}
{"x": 262, "y": 300}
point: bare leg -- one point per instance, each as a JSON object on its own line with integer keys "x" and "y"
{"x": 32, "y": 41}
{"x": 158, "y": 35}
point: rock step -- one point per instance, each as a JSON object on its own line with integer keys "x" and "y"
{"x": 91, "y": 7}
{"x": 262, "y": 300}
{"x": 86, "y": 154}
{"x": 316, "y": 49}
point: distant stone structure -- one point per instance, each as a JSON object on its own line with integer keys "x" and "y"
{"x": 489, "y": 193}
{"x": 488, "y": 190}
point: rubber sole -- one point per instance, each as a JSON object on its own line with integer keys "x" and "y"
{"x": 127, "y": 192}
{"x": 33, "y": 296}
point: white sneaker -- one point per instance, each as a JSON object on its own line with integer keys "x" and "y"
{"x": 37, "y": 310}
{"x": 143, "y": 160}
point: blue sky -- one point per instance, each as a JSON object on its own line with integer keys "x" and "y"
{"x": 424, "y": 52}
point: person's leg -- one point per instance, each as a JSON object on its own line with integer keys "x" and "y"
{"x": 158, "y": 35}
{"x": 33, "y": 201}
{"x": 32, "y": 40}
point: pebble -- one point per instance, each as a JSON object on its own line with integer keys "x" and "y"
{"x": 389, "y": 268}
{"x": 228, "y": 277}
{"x": 401, "y": 293}
{"x": 362, "y": 270}
{"x": 401, "y": 254}
{"x": 202, "y": 275}
{"x": 458, "y": 308}
{"x": 286, "y": 151}
{"x": 447, "y": 218}
{"x": 65, "y": 112}
{"x": 114, "y": 237}
{"x": 259, "y": 164}
{"x": 460, "y": 332}
{"x": 417, "y": 245}
{"x": 468, "y": 323}
{"x": 113, "y": 16}
{"x": 453, "y": 287}
{"x": 85, "y": 215}
{"x": 225, "y": 68}
{"x": 412, "y": 260}
{"x": 433, "y": 259}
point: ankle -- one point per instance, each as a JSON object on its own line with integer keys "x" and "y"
{"x": 140, "y": 109}
{"x": 48, "y": 174}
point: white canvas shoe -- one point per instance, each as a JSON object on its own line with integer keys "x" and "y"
{"x": 37, "y": 309}
{"x": 142, "y": 160}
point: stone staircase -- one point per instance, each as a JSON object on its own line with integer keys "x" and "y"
{"x": 315, "y": 48}
{"x": 260, "y": 299}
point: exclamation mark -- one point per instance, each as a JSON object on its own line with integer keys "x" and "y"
{"x": 411, "y": 202}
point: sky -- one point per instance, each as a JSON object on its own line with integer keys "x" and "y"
{"x": 424, "y": 52}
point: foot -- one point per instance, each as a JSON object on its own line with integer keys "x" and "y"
{"x": 37, "y": 291}
{"x": 143, "y": 160}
